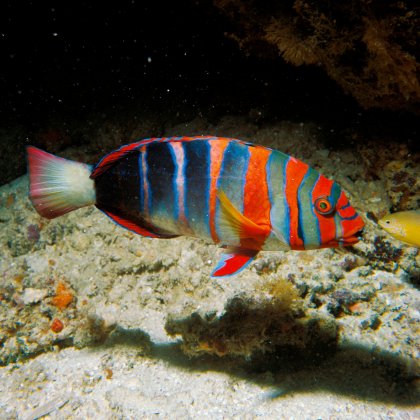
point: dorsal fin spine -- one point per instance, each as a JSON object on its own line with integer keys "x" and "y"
{"x": 108, "y": 160}
{"x": 112, "y": 157}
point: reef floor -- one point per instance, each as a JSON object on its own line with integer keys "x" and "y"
{"x": 96, "y": 321}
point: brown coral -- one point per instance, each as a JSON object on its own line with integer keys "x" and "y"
{"x": 367, "y": 47}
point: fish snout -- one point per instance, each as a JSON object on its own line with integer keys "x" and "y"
{"x": 353, "y": 230}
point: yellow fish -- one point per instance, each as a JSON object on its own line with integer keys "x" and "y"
{"x": 404, "y": 226}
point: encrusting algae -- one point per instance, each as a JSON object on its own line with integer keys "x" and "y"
{"x": 57, "y": 326}
{"x": 63, "y": 296}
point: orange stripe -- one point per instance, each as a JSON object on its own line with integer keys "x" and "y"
{"x": 352, "y": 226}
{"x": 326, "y": 223}
{"x": 256, "y": 197}
{"x": 295, "y": 172}
{"x": 348, "y": 211}
{"x": 217, "y": 148}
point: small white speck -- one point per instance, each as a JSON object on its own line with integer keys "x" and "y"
{"x": 149, "y": 59}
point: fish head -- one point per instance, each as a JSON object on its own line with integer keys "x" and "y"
{"x": 392, "y": 225}
{"x": 337, "y": 222}
{"x": 404, "y": 226}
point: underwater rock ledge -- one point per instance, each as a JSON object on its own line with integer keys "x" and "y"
{"x": 341, "y": 322}
{"x": 368, "y": 48}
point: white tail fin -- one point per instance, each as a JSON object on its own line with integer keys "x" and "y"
{"x": 58, "y": 185}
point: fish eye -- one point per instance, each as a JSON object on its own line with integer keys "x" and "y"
{"x": 323, "y": 205}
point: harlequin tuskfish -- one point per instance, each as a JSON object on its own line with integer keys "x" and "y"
{"x": 242, "y": 196}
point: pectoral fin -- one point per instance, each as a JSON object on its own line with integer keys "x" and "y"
{"x": 232, "y": 261}
{"x": 234, "y": 225}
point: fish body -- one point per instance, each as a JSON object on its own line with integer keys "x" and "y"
{"x": 404, "y": 226}
{"x": 242, "y": 196}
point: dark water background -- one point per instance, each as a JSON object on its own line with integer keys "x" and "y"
{"x": 75, "y": 58}
{"x": 81, "y": 63}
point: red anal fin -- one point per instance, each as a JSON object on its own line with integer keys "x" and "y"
{"x": 130, "y": 225}
{"x": 233, "y": 261}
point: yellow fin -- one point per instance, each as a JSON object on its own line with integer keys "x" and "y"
{"x": 233, "y": 224}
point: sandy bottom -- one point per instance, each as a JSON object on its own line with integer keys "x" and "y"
{"x": 116, "y": 382}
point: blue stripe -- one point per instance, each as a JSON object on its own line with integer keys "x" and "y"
{"x": 230, "y": 172}
{"x": 307, "y": 221}
{"x": 314, "y": 216}
{"x": 232, "y": 176}
{"x": 206, "y": 214}
{"x": 141, "y": 192}
{"x": 270, "y": 190}
{"x": 279, "y": 212}
{"x": 174, "y": 184}
{"x": 185, "y": 181}
{"x": 333, "y": 198}
{"x": 349, "y": 218}
{"x": 287, "y": 216}
{"x": 160, "y": 173}
{"x": 247, "y": 156}
{"x": 144, "y": 207}
{"x": 335, "y": 194}
{"x": 301, "y": 230}
{"x": 197, "y": 186}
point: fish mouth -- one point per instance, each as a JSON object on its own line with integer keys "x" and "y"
{"x": 351, "y": 238}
